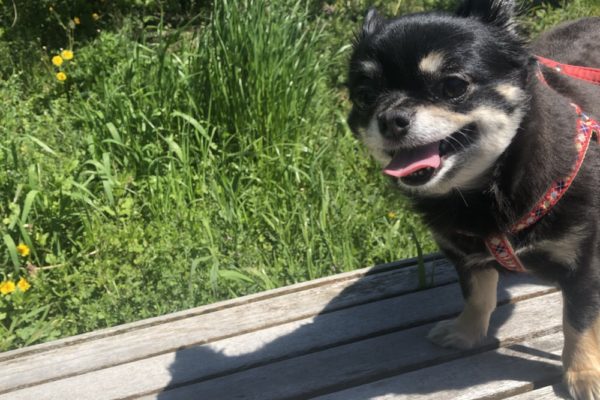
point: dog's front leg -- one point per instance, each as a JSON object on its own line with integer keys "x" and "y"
{"x": 581, "y": 327}
{"x": 478, "y": 285}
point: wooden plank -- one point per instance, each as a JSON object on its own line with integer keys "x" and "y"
{"x": 371, "y": 359}
{"x": 23, "y": 367}
{"x": 323, "y": 331}
{"x": 438, "y": 270}
{"x": 491, "y": 375}
{"x": 553, "y": 392}
{"x": 318, "y": 372}
{"x": 366, "y": 361}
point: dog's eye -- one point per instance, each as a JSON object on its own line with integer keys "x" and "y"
{"x": 362, "y": 97}
{"x": 454, "y": 87}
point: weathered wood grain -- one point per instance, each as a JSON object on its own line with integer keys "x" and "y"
{"x": 557, "y": 391}
{"x": 370, "y": 360}
{"x": 439, "y": 271}
{"x": 208, "y": 324}
{"x": 490, "y": 375}
{"x": 300, "y": 377}
{"x": 338, "y": 334}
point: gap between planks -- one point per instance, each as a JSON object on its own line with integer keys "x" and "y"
{"x": 373, "y": 360}
{"x": 496, "y": 374}
{"x": 393, "y": 267}
{"x": 555, "y": 391}
{"x": 194, "y": 327}
{"x": 114, "y": 382}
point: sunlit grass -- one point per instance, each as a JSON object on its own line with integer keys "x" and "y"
{"x": 186, "y": 167}
{"x": 178, "y": 167}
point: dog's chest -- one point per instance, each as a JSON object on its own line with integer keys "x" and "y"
{"x": 534, "y": 255}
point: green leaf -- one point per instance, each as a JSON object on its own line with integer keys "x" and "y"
{"x": 43, "y": 145}
{"x": 194, "y": 122}
{"x": 175, "y": 148}
{"x": 235, "y": 276}
{"x": 29, "y": 199}
{"x": 12, "y": 251}
{"x": 114, "y": 132}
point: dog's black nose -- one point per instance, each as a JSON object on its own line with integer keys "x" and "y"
{"x": 393, "y": 124}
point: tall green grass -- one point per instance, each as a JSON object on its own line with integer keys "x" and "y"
{"x": 185, "y": 167}
{"x": 178, "y": 167}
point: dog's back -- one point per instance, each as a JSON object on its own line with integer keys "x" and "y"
{"x": 576, "y": 43}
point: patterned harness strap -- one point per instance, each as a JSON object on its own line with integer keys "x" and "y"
{"x": 590, "y": 75}
{"x": 498, "y": 244}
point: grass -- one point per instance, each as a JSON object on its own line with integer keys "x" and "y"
{"x": 181, "y": 166}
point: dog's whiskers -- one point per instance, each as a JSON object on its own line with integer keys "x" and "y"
{"x": 452, "y": 140}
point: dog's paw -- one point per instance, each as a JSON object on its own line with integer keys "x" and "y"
{"x": 583, "y": 385}
{"x": 453, "y": 334}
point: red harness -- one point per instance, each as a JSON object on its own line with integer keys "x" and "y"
{"x": 590, "y": 75}
{"x": 498, "y": 244}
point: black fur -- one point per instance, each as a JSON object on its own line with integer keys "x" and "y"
{"x": 494, "y": 12}
{"x": 480, "y": 41}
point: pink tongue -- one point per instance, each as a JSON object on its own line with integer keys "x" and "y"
{"x": 405, "y": 162}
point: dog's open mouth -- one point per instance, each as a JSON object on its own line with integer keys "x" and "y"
{"x": 416, "y": 166}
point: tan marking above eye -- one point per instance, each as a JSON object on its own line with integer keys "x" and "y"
{"x": 432, "y": 62}
{"x": 510, "y": 92}
{"x": 369, "y": 68}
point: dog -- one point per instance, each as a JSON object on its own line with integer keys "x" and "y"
{"x": 480, "y": 133}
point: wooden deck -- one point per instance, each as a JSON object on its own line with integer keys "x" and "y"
{"x": 359, "y": 335}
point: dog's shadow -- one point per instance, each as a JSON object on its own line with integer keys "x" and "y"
{"x": 345, "y": 347}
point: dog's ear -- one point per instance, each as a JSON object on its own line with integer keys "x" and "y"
{"x": 372, "y": 22}
{"x": 495, "y": 12}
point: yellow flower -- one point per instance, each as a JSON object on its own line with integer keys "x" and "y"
{"x": 7, "y": 287}
{"x": 23, "y": 250}
{"x": 57, "y": 60}
{"x": 23, "y": 285}
{"x": 77, "y": 20}
{"x": 95, "y": 16}
{"x": 392, "y": 215}
{"x": 61, "y": 76}
{"x": 67, "y": 54}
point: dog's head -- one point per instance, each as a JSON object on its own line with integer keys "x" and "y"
{"x": 438, "y": 97}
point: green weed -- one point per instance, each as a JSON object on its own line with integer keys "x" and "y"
{"x": 176, "y": 167}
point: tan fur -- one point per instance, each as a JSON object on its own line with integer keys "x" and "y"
{"x": 369, "y": 68}
{"x": 581, "y": 360}
{"x": 432, "y": 62}
{"x": 511, "y": 93}
{"x": 496, "y": 127}
{"x": 433, "y": 117}
{"x": 433, "y": 123}
{"x": 472, "y": 324}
